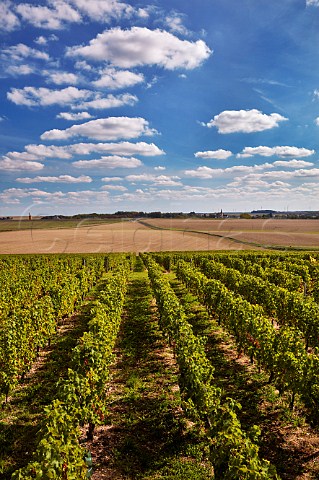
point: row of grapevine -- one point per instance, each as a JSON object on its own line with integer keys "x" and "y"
{"x": 289, "y": 308}
{"x": 81, "y": 396}
{"x": 303, "y": 264}
{"x": 273, "y": 274}
{"x": 280, "y": 352}
{"x": 35, "y": 293}
{"x": 295, "y": 261}
{"x": 234, "y": 453}
{"x": 283, "y": 270}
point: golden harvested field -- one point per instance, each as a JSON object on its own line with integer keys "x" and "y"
{"x": 133, "y": 236}
{"x": 117, "y": 237}
{"x": 237, "y": 225}
{"x": 264, "y": 232}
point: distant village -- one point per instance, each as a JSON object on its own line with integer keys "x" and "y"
{"x": 307, "y": 214}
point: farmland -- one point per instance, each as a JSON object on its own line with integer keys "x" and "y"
{"x": 157, "y": 235}
{"x": 163, "y": 365}
{"x": 255, "y": 232}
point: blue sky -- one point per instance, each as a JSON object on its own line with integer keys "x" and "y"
{"x": 110, "y": 105}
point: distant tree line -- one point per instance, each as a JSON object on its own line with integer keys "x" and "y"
{"x": 132, "y": 214}
{"x": 124, "y": 214}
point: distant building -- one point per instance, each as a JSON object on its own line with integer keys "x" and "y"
{"x": 221, "y": 214}
{"x": 263, "y": 213}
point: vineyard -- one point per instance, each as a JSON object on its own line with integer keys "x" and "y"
{"x": 177, "y": 365}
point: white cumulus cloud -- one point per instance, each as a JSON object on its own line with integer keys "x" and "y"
{"x": 111, "y": 128}
{"x": 280, "y": 175}
{"x": 174, "y": 23}
{"x": 21, "y": 59}
{"x": 47, "y": 151}
{"x": 114, "y": 187}
{"x": 246, "y": 121}
{"x": 282, "y": 151}
{"x": 74, "y": 116}
{"x": 172, "y": 181}
{"x": 103, "y": 10}
{"x": 32, "y": 96}
{"x": 263, "y": 171}
{"x": 292, "y": 163}
{"x": 21, "y": 51}
{"x": 217, "y": 154}
{"x": 109, "y": 162}
{"x": 60, "y": 78}
{"x": 20, "y": 69}
{"x": 208, "y": 172}
{"x": 59, "y": 179}
{"x": 141, "y": 46}
{"x": 16, "y": 165}
{"x": 35, "y": 152}
{"x": 21, "y": 156}
{"x": 41, "y": 40}
{"x": 8, "y": 20}
{"x": 111, "y": 101}
{"x": 78, "y": 99}
{"x": 114, "y": 79}
{"x": 204, "y": 172}
{"x": 53, "y": 18}
{"x": 111, "y": 179}
{"x": 122, "y": 148}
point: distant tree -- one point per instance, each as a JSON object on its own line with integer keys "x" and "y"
{"x": 245, "y": 215}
